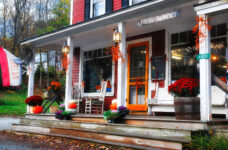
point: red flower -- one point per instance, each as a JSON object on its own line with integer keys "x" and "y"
{"x": 34, "y": 100}
{"x": 185, "y": 87}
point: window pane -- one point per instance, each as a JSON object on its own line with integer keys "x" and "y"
{"x": 218, "y": 55}
{"x": 98, "y": 8}
{"x": 183, "y": 37}
{"x": 221, "y": 30}
{"x": 96, "y": 70}
{"x": 183, "y": 62}
{"x": 174, "y": 38}
{"x": 137, "y": 1}
{"x": 213, "y": 31}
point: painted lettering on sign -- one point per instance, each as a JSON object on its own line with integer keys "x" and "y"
{"x": 203, "y": 56}
{"x": 160, "y": 18}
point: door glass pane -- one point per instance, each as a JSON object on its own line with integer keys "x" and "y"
{"x": 132, "y": 95}
{"x": 137, "y": 61}
{"x": 141, "y": 94}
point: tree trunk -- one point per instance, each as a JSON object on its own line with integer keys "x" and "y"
{"x": 47, "y": 68}
{"x": 41, "y": 65}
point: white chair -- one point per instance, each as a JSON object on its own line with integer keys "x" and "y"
{"x": 153, "y": 101}
{"x": 77, "y": 94}
{"x": 96, "y": 104}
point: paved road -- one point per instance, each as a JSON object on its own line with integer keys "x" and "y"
{"x": 6, "y": 123}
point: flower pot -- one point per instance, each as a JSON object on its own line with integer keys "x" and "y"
{"x": 59, "y": 116}
{"x": 187, "y": 108}
{"x": 53, "y": 109}
{"x": 31, "y": 109}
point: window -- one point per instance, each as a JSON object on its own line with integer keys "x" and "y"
{"x": 97, "y": 66}
{"x": 97, "y": 7}
{"x": 218, "y": 50}
{"x": 184, "y": 63}
{"x": 137, "y": 1}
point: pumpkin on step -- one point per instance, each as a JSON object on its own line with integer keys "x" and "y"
{"x": 72, "y": 106}
{"x": 38, "y": 109}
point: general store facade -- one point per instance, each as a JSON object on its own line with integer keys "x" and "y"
{"x": 157, "y": 47}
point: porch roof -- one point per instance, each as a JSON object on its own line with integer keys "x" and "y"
{"x": 55, "y": 39}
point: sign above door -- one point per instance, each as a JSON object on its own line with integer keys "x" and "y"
{"x": 159, "y": 18}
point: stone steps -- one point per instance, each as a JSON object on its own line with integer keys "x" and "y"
{"x": 100, "y": 137}
{"x": 173, "y": 135}
{"x": 143, "y": 132}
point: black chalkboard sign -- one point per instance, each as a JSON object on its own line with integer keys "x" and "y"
{"x": 158, "y": 67}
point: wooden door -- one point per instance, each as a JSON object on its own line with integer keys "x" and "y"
{"x": 137, "y": 76}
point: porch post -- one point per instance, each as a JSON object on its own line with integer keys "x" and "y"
{"x": 205, "y": 74}
{"x": 121, "y": 98}
{"x": 30, "y": 72}
{"x": 68, "y": 89}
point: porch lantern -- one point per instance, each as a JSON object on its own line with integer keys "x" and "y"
{"x": 65, "y": 48}
{"x": 116, "y": 35}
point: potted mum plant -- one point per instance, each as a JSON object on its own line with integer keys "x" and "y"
{"x": 33, "y": 101}
{"x": 186, "y": 102}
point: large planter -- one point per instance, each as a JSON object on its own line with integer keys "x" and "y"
{"x": 187, "y": 108}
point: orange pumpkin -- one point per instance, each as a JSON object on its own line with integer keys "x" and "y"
{"x": 37, "y": 109}
{"x": 72, "y": 106}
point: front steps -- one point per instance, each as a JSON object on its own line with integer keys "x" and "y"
{"x": 141, "y": 132}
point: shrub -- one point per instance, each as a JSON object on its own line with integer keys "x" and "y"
{"x": 208, "y": 141}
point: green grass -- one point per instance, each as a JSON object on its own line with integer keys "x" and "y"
{"x": 12, "y": 104}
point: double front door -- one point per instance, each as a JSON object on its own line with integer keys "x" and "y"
{"x": 137, "y": 76}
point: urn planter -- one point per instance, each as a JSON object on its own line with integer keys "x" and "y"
{"x": 187, "y": 108}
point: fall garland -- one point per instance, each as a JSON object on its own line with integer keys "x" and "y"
{"x": 115, "y": 52}
{"x": 200, "y": 35}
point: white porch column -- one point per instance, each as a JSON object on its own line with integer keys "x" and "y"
{"x": 68, "y": 89}
{"x": 205, "y": 74}
{"x": 30, "y": 72}
{"x": 121, "y": 95}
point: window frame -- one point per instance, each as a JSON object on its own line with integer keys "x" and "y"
{"x": 108, "y": 94}
{"x": 91, "y": 8}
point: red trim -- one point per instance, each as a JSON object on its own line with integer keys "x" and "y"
{"x": 5, "y": 67}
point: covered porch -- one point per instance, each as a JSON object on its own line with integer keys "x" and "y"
{"x": 133, "y": 84}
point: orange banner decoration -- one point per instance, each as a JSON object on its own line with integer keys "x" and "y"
{"x": 200, "y": 35}
{"x": 115, "y": 52}
{"x": 65, "y": 61}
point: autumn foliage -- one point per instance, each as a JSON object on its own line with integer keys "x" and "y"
{"x": 115, "y": 52}
{"x": 200, "y": 35}
{"x": 55, "y": 86}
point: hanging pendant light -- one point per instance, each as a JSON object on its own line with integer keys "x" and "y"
{"x": 65, "y": 48}
{"x": 116, "y": 35}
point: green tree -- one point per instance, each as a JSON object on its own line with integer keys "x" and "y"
{"x": 61, "y": 13}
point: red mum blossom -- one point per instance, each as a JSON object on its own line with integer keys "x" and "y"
{"x": 185, "y": 87}
{"x": 34, "y": 100}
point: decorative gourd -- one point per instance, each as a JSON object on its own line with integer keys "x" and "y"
{"x": 37, "y": 109}
{"x": 72, "y": 106}
{"x": 114, "y": 105}
{"x": 73, "y": 101}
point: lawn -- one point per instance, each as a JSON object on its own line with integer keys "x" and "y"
{"x": 12, "y": 103}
